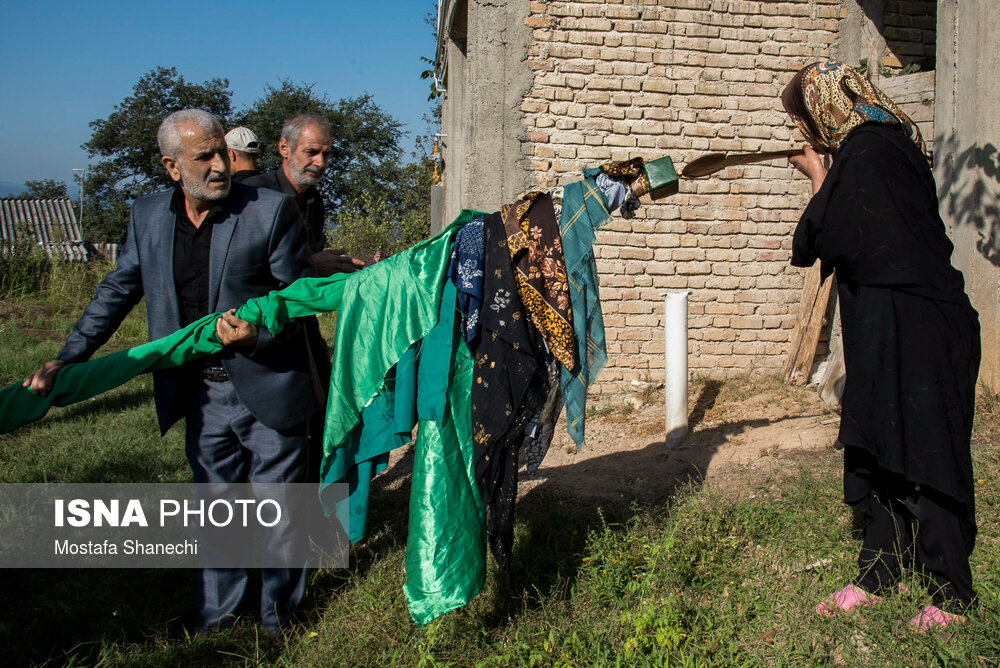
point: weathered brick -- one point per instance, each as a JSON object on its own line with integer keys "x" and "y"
{"x": 617, "y": 80}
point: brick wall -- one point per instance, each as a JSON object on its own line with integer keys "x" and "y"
{"x": 615, "y": 80}
{"x": 910, "y": 31}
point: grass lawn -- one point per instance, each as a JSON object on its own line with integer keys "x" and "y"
{"x": 706, "y": 579}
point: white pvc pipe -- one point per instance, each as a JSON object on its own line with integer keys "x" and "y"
{"x": 675, "y": 348}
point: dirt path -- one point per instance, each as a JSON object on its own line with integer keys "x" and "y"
{"x": 739, "y": 430}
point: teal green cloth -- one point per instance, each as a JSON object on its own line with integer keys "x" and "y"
{"x": 385, "y": 310}
{"x": 386, "y": 424}
{"x": 446, "y": 546}
{"x": 584, "y": 210}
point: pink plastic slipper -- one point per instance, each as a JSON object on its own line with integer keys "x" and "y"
{"x": 845, "y": 600}
{"x": 933, "y": 617}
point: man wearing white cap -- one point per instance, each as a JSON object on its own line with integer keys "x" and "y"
{"x": 244, "y": 152}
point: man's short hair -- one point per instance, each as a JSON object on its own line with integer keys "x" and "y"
{"x": 291, "y": 129}
{"x": 168, "y": 136}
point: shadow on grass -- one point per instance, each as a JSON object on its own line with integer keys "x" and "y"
{"x": 105, "y": 404}
{"x": 386, "y": 531}
{"x": 49, "y": 615}
{"x": 53, "y": 615}
{"x": 556, "y": 517}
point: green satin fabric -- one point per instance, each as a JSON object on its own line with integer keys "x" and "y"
{"x": 386, "y": 424}
{"x": 383, "y": 310}
{"x": 446, "y": 546}
{"x": 386, "y": 309}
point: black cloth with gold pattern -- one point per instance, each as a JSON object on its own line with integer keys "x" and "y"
{"x": 509, "y": 386}
{"x": 536, "y": 252}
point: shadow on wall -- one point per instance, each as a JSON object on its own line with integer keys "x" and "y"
{"x": 969, "y": 190}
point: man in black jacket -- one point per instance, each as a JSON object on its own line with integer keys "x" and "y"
{"x": 244, "y": 152}
{"x": 305, "y": 147}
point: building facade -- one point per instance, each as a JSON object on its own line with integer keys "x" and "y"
{"x": 536, "y": 91}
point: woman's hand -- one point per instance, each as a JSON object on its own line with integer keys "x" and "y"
{"x": 812, "y": 164}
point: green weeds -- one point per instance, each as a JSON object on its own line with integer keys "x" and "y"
{"x": 704, "y": 580}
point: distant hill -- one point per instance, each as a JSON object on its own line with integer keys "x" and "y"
{"x": 10, "y": 189}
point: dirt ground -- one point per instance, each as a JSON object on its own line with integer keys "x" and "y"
{"x": 739, "y": 430}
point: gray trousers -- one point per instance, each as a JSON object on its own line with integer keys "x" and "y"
{"x": 226, "y": 443}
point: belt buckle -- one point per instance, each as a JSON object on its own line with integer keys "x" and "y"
{"x": 215, "y": 374}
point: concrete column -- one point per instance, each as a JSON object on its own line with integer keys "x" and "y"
{"x": 966, "y": 161}
{"x": 482, "y": 117}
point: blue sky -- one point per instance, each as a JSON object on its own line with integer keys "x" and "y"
{"x": 65, "y": 64}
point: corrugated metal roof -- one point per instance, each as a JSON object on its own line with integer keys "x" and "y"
{"x": 53, "y": 225}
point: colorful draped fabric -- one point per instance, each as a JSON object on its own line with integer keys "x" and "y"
{"x": 627, "y": 171}
{"x": 584, "y": 210}
{"x": 393, "y": 304}
{"x": 536, "y": 251}
{"x": 829, "y": 99}
{"x": 508, "y": 389}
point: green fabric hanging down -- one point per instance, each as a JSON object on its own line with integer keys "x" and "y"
{"x": 396, "y": 303}
{"x": 386, "y": 424}
{"x": 584, "y": 210}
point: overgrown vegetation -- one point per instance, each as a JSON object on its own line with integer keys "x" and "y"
{"x": 369, "y": 225}
{"x": 26, "y": 271}
{"x": 707, "y": 579}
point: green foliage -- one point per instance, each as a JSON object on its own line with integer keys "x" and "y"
{"x": 910, "y": 68}
{"x": 366, "y": 157}
{"x": 368, "y": 225}
{"x": 26, "y": 271}
{"x": 128, "y": 163}
{"x": 44, "y": 189}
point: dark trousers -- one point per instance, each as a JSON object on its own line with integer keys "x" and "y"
{"x": 320, "y": 354}
{"x": 226, "y": 443}
{"x": 908, "y": 526}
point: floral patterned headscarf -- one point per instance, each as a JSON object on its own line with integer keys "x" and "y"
{"x": 829, "y": 99}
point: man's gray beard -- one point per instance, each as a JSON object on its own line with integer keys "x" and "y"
{"x": 200, "y": 191}
{"x": 304, "y": 178}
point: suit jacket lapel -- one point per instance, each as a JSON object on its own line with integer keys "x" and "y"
{"x": 168, "y": 227}
{"x": 222, "y": 236}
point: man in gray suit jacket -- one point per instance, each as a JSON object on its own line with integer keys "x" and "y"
{"x": 205, "y": 247}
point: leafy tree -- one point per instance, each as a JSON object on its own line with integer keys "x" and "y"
{"x": 44, "y": 189}
{"x": 125, "y": 141}
{"x": 365, "y": 138}
{"x": 366, "y": 158}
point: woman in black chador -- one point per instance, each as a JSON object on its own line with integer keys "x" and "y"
{"x": 911, "y": 339}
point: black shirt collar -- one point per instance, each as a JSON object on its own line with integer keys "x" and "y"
{"x": 178, "y": 208}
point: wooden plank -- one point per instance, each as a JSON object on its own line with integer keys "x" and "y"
{"x": 805, "y": 337}
{"x": 908, "y": 84}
